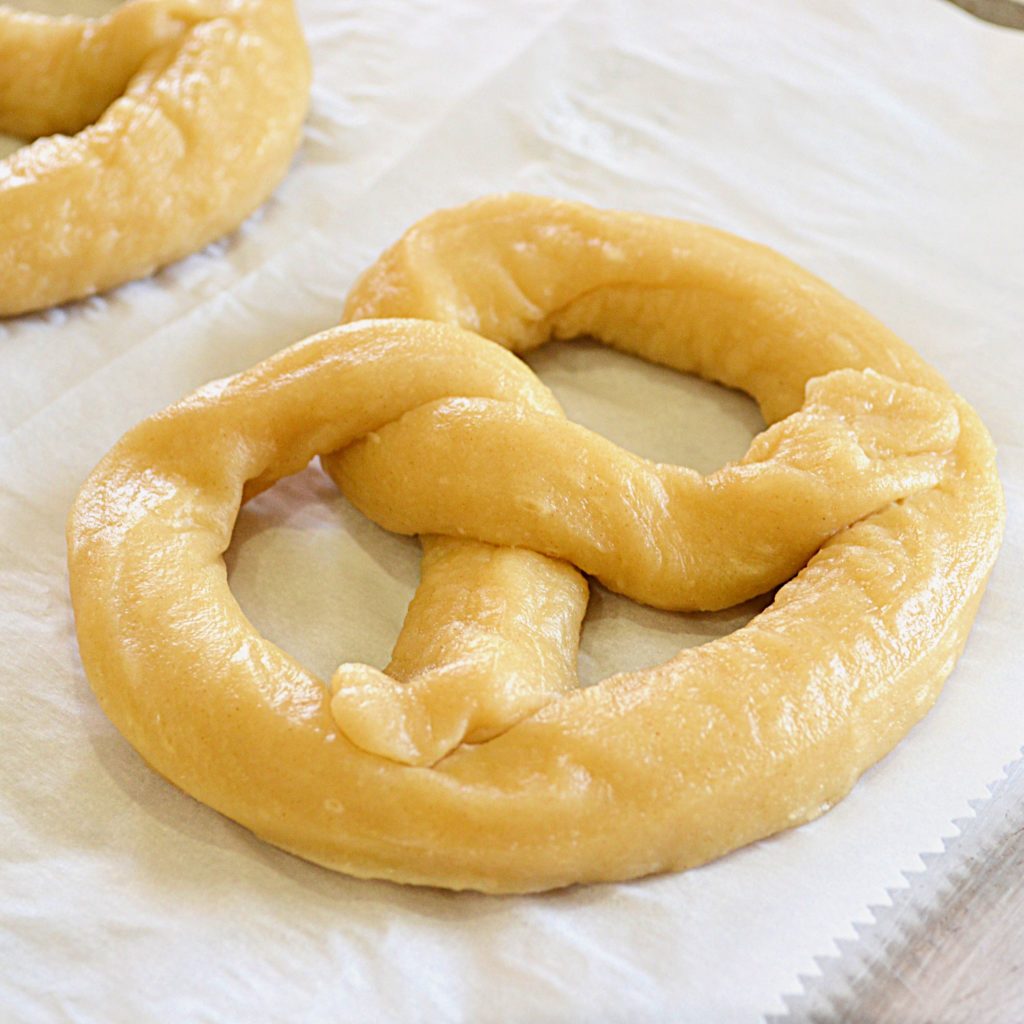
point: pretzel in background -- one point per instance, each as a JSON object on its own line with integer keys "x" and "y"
{"x": 158, "y": 128}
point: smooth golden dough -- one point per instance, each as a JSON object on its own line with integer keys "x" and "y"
{"x": 158, "y": 128}
{"x": 475, "y": 760}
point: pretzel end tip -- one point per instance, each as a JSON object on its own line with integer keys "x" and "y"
{"x": 383, "y": 717}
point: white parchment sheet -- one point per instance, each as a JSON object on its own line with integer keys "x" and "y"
{"x": 879, "y": 144}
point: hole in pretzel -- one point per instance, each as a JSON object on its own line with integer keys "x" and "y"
{"x": 697, "y": 423}
{"x": 319, "y": 579}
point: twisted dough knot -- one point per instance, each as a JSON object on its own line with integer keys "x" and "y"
{"x": 476, "y": 760}
{"x": 524, "y": 477}
{"x": 158, "y": 128}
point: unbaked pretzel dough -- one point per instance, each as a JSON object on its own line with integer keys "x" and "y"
{"x": 541, "y": 783}
{"x": 158, "y": 128}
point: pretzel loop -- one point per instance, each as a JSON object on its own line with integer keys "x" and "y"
{"x": 475, "y": 760}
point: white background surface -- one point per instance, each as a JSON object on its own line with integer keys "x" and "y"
{"x": 878, "y": 144}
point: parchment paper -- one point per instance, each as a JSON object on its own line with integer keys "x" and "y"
{"x": 878, "y": 144}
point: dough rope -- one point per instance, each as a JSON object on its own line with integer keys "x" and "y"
{"x": 158, "y": 128}
{"x": 475, "y": 760}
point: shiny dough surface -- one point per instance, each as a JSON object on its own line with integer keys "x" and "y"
{"x": 157, "y": 128}
{"x": 475, "y": 760}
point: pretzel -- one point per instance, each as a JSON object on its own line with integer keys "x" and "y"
{"x": 476, "y": 761}
{"x": 158, "y": 128}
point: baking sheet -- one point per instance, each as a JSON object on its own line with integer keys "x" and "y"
{"x": 877, "y": 144}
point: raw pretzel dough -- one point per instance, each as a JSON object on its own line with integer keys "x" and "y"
{"x": 158, "y": 128}
{"x": 545, "y": 784}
